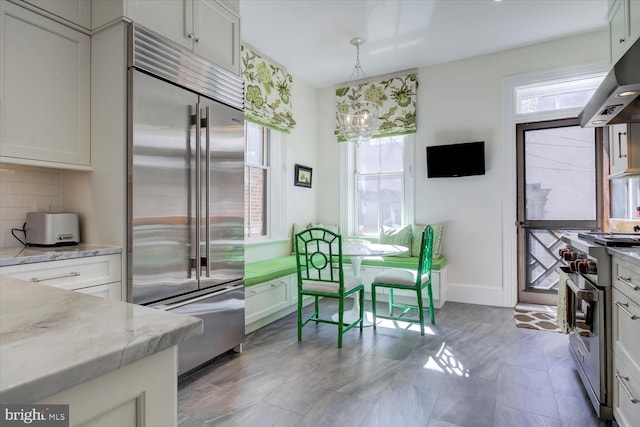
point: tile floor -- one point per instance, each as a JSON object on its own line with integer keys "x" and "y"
{"x": 473, "y": 368}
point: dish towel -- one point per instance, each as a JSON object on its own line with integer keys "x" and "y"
{"x": 561, "y": 317}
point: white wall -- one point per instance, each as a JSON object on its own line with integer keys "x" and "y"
{"x": 462, "y": 101}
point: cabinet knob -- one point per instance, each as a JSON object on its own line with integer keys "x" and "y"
{"x": 190, "y": 35}
{"x": 621, "y": 40}
{"x": 197, "y": 39}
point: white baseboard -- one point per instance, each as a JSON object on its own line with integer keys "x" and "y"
{"x": 476, "y": 294}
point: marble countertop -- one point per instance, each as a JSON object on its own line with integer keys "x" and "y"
{"x": 53, "y": 339}
{"x": 631, "y": 254}
{"x": 30, "y": 254}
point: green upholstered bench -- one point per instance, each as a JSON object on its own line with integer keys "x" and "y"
{"x": 263, "y": 271}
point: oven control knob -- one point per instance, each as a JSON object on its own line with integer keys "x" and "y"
{"x": 569, "y": 255}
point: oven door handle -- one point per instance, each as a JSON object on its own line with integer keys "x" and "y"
{"x": 583, "y": 294}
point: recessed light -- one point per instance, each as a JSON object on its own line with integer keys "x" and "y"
{"x": 628, "y": 93}
{"x": 598, "y": 122}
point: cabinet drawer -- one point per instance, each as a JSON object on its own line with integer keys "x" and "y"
{"x": 267, "y": 298}
{"x": 626, "y": 389}
{"x": 70, "y": 274}
{"x": 626, "y": 278}
{"x": 626, "y": 328}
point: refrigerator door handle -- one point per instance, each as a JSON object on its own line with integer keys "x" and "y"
{"x": 207, "y": 191}
{"x": 199, "y": 298}
{"x": 198, "y": 191}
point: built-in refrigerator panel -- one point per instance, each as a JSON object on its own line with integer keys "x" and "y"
{"x": 224, "y": 207}
{"x": 161, "y": 201}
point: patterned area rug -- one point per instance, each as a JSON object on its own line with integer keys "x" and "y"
{"x": 531, "y": 316}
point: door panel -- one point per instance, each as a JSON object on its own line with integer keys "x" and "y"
{"x": 161, "y": 217}
{"x": 225, "y": 219}
{"x": 559, "y": 189}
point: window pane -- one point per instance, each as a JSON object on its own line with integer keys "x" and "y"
{"x": 255, "y": 145}
{"x": 391, "y": 200}
{"x": 378, "y": 202}
{"x": 368, "y": 157}
{"x": 391, "y": 153}
{"x": 255, "y": 202}
{"x": 560, "y": 174}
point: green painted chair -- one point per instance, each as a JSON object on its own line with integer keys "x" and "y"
{"x": 320, "y": 274}
{"x": 416, "y": 280}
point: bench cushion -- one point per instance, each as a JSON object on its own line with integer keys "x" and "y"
{"x": 263, "y": 271}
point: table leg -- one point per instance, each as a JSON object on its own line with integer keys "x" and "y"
{"x": 353, "y": 314}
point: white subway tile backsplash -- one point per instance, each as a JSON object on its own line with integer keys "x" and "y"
{"x": 24, "y": 189}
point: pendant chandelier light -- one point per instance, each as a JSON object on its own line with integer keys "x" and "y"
{"x": 358, "y": 118}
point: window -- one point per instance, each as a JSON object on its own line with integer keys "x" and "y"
{"x": 382, "y": 184}
{"x": 556, "y": 94}
{"x": 256, "y": 178}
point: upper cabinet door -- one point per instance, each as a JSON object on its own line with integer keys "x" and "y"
{"x": 173, "y": 19}
{"x": 217, "y": 32}
{"x": 44, "y": 91}
{"x": 76, "y": 11}
{"x": 618, "y": 31}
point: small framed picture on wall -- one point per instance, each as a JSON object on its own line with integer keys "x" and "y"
{"x": 302, "y": 176}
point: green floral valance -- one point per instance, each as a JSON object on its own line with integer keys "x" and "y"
{"x": 267, "y": 92}
{"x": 397, "y": 99}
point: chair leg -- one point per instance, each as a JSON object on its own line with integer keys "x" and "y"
{"x": 420, "y": 310}
{"x": 390, "y": 301}
{"x": 373, "y": 304}
{"x": 432, "y": 314}
{"x": 361, "y": 292}
{"x": 340, "y": 320}
{"x": 317, "y": 310}
{"x": 299, "y": 317}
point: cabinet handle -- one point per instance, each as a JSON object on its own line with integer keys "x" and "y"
{"x": 620, "y": 144}
{"x": 72, "y": 274}
{"x": 627, "y": 281}
{"x": 621, "y": 40}
{"x": 625, "y": 388}
{"x": 624, "y": 307}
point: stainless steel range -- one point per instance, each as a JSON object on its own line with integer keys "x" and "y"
{"x": 589, "y": 314}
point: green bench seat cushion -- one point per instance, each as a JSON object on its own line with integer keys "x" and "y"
{"x": 263, "y": 271}
{"x": 409, "y": 262}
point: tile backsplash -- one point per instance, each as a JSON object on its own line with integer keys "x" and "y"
{"x": 26, "y": 189}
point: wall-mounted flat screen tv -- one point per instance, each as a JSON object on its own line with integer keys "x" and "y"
{"x": 446, "y": 161}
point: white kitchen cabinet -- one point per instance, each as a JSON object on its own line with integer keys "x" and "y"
{"x": 266, "y": 298}
{"x": 44, "y": 91}
{"x": 141, "y": 394}
{"x": 206, "y": 27}
{"x": 626, "y": 342}
{"x": 624, "y": 150}
{"x": 98, "y": 275}
{"x": 624, "y": 26}
{"x": 75, "y": 11}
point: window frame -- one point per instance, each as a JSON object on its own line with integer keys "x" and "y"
{"x": 348, "y": 173}
{"x": 273, "y": 156}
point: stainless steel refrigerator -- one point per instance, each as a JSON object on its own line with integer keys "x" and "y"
{"x": 186, "y": 192}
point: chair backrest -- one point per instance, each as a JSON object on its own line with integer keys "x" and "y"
{"x": 426, "y": 251}
{"x": 319, "y": 256}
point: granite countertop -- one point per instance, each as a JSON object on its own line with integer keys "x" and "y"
{"x": 631, "y": 254}
{"x": 53, "y": 339}
{"x": 29, "y": 254}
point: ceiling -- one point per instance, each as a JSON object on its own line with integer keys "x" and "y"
{"x": 311, "y": 38}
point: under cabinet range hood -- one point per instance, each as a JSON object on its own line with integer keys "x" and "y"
{"x": 617, "y": 99}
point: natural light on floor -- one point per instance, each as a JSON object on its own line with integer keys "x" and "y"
{"x": 446, "y": 362}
